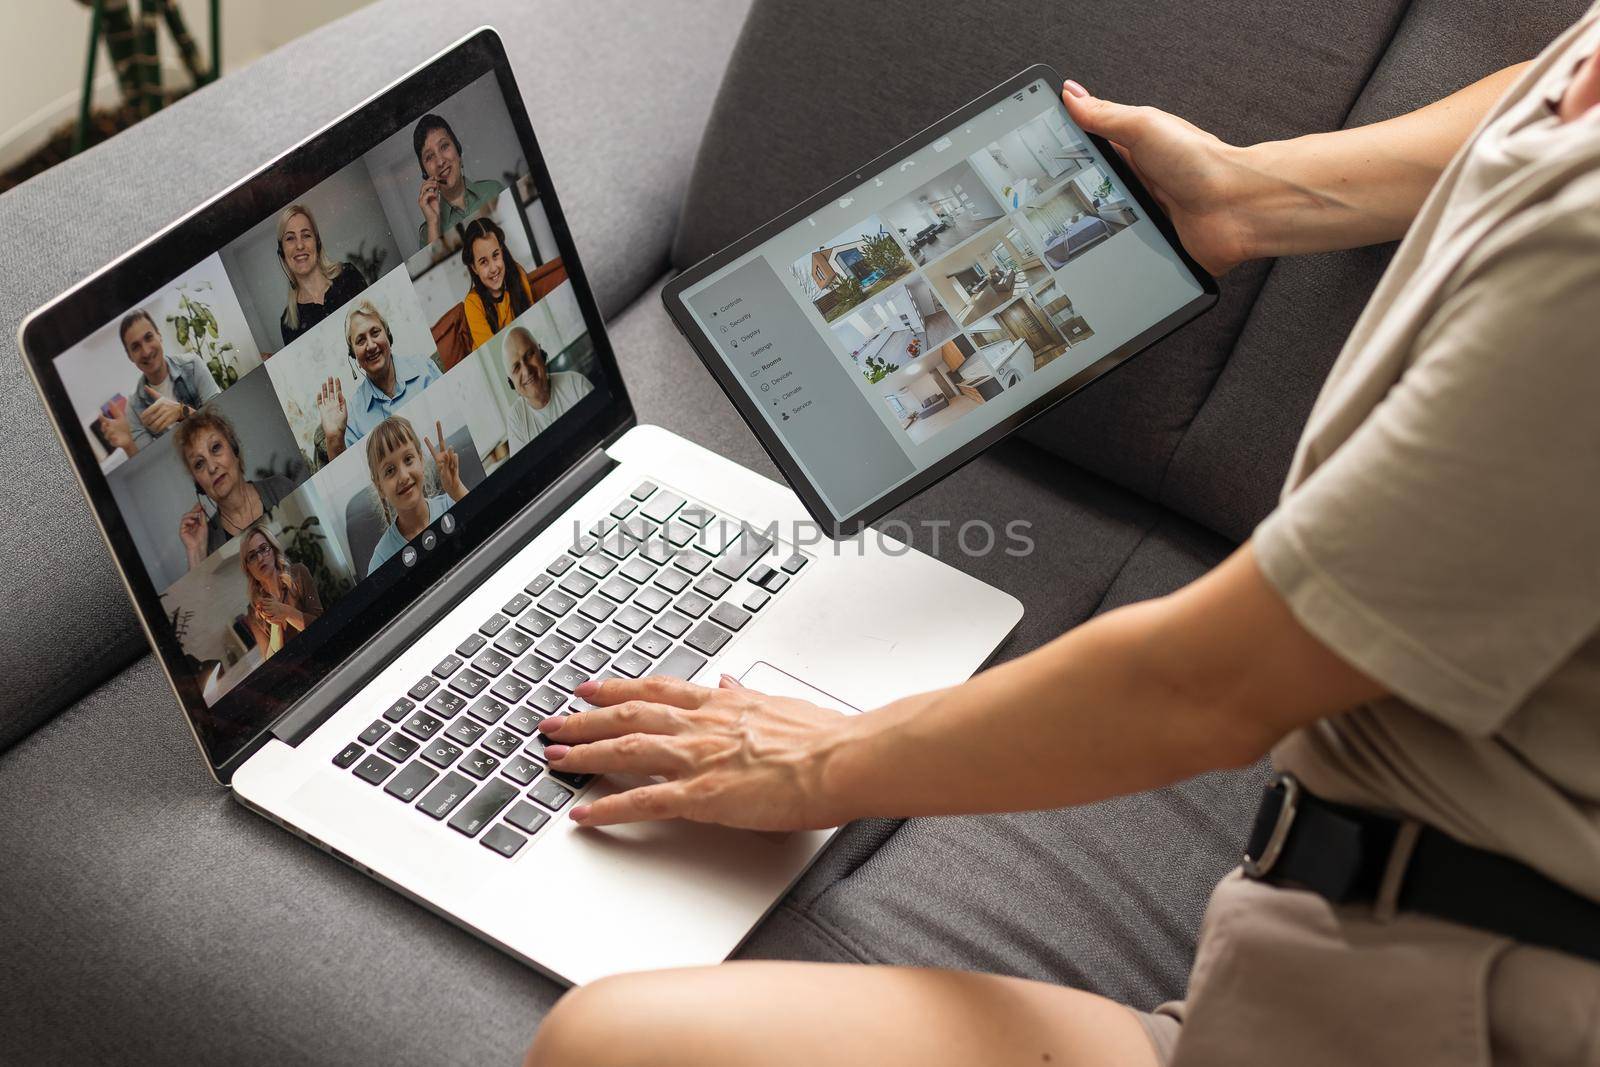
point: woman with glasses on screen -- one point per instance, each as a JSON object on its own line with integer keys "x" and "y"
{"x": 317, "y": 285}
{"x": 500, "y": 287}
{"x": 283, "y": 596}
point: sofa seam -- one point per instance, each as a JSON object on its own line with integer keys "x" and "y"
{"x": 831, "y": 934}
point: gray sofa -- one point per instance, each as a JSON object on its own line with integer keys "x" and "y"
{"x": 144, "y": 917}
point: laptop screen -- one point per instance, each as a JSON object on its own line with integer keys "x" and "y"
{"x": 389, "y": 337}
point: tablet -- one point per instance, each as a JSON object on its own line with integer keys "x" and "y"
{"x": 895, "y": 325}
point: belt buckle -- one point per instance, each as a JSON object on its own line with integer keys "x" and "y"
{"x": 1260, "y": 867}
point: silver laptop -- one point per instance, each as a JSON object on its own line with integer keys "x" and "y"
{"x": 363, "y": 454}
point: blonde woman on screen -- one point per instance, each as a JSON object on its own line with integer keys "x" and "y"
{"x": 283, "y": 596}
{"x": 318, "y": 286}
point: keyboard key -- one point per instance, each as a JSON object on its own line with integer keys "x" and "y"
{"x": 619, "y": 546}
{"x": 399, "y": 710}
{"x": 441, "y": 753}
{"x": 713, "y": 586}
{"x": 673, "y": 581}
{"x": 657, "y": 550}
{"x": 716, "y": 537}
{"x": 568, "y": 677}
{"x": 742, "y": 555}
{"x": 469, "y": 682}
{"x": 708, "y": 638}
{"x": 536, "y": 746}
{"x": 643, "y": 490}
{"x": 488, "y": 710}
{"x": 516, "y": 605}
{"x": 551, "y": 793}
{"x": 757, "y": 600}
{"x": 465, "y": 732}
{"x": 503, "y": 840}
{"x": 603, "y": 526}
{"x": 637, "y": 570}
{"x": 442, "y": 799}
{"x": 422, "y": 726}
{"x": 693, "y": 605}
{"x": 466, "y": 649}
{"x": 492, "y": 663}
{"x": 680, "y": 663}
{"x": 638, "y": 529}
{"x": 413, "y": 779}
{"x": 597, "y": 608}
{"x": 447, "y": 666}
{"x": 556, "y": 603}
{"x": 374, "y": 769}
{"x": 589, "y": 658}
{"x": 661, "y": 506}
{"x": 652, "y": 599}
{"x": 631, "y": 619}
{"x": 678, "y": 534}
{"x": 423, "y": 687}
{"x": 610, "y": 638}
{"x": 512, "y": 689}
{"x": 691, "y": 561}
{"x": 531, "y": 667}
{"x": 548, "y": 699}
{"x": 493, "y": 625}
{"x": 501, "y": 742}
{"x": 374, "y": 733}
{"x": 480, "y": 764}
{"x": 536, "y": 622}
{"x": 539, "y": 584}
{"x": 578, "y": 584}
{"x": 672, "y": 624}
{"x": 652, "y": 644}
{"x": 446, "y": 705}
{"x": 774, "y": 581}
{"x": 623, "y": 509}
{"x": 523, "y": 720}
{"x": 631, "y": 663}
{"x": 585, "y": 544}
{"x": 575, "y": 628}
{"x": 563, "y": 563}
{"x": 793, "y": 564}
{"x": 521, "y": 769}
{"x": 398, "y": 747}
{"x": 732, "y": 617}
{"x": 554, "y": 647}
{"x": 599, "y": 566}
{"x": 348, "y": 755}
{"x": 576, "y": 781}
{"x": 696, "y": 516}
{"x": 514, "y": 642}
{"x": 618, "y": 588}
{"x": 761, "y": 573}
{"x": 526, "y": 817}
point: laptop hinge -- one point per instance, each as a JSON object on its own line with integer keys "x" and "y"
{"x": 330, "y": 694}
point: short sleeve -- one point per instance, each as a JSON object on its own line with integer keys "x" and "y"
{"x": 1450, "y": 548}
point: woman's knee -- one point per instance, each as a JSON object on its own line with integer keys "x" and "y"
{"x": 605, "y": 1022}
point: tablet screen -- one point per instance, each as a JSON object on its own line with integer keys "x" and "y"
{"x": 929, "y": 304}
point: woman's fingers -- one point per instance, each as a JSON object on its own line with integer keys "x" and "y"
{"x": 630, "y": 754}
{"x": 645, "y": 803}
{"x": 1116, "y": 122}
{"x": 635, "y": 716}
{"x": 660, "y": 690}
{"x": 728, "y": 681}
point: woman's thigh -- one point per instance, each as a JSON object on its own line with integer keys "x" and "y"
{"x": 823, "y": 1014}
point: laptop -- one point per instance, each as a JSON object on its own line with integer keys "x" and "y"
{"x": 364, "y": 456}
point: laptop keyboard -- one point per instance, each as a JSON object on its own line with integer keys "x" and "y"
{"x": 659, "y": 587}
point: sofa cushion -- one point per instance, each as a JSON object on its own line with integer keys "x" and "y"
{"x": 618, "y": 136}
{"x": 1230, "y": 467}
{"x": 785, "y": 124}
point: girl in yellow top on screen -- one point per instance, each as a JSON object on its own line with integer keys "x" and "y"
{"x": 400, "y": 477}
{"x": 500, "y": 287}
{"x": 317, "y": 285}
{"x": 446, "y": 198}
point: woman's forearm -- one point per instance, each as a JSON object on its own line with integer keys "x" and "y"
{"x": 1360, "y": 186}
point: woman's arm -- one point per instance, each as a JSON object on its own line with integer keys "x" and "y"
{"x": 1316, "y": 193}
{"x": 1208, "y": 677}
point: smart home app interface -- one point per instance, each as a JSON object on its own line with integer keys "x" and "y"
{"x": 295, "y": 417}
{"x": 940, "y": 296}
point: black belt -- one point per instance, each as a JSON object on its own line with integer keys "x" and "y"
{"x": 1350, "y": 855}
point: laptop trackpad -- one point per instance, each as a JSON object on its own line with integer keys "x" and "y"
{"x": 765, "y": 678}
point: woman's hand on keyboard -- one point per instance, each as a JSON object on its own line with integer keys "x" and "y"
{"x": 729, "y": 755}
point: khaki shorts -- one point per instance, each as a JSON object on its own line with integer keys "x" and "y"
{"x": 1282, "y": 976}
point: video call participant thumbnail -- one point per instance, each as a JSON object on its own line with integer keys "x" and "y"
{"x": 167, "y": 391}
{"x": 542, "y": 397}
{"x": 283, "y": 596}
{"x": 317, "y": 286}
{"x": 386, "y": 382}
{"x": 500, "y": 287}
{"x": 400, "y": 476}
{"x": 447, "y": 198}
{"x": 209, "y": 447}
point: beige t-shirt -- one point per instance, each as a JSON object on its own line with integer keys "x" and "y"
{"x": 1440, "y": 528}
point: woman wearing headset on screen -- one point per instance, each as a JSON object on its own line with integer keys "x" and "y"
{"x": 400, "y": 478}
{"x": 317, "y": 285}
{"x": 209, "y": 447}
{"x": 283, "y": 596}
{"x": 500, "y": 288}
